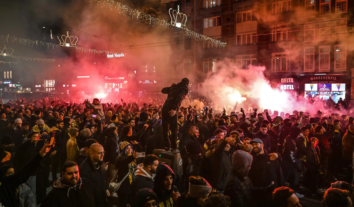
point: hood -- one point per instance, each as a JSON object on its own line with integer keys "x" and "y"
{"x": 140, "y": 171}
{"x": 241, "y": 163}
{"x": 161, "y": 172}
{"x": 144, "y": 195}
{"x": 60, "y": 185}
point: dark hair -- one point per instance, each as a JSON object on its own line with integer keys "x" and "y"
{"x": 67, "y": 165}
{"x": 29, "y": 135}
{"x": 217, "y": 131}
{"x": 126, "y": 130}
{"x": 131, "y": 120}
{"x": 304, "y": 129}
{"x": 335, "y": 197}
{"x": 89, "y": 142}
{"x": 197, "y": 180}
{"x": 264, "y": 126}
{"x": 60, "y": 121}
{"x": 281, "y": 195}
{"x": 217, "y": 200}
{"x": 150, "y": 159}
{"x": 6, "y": 167}
{"x": 37, "y": 112}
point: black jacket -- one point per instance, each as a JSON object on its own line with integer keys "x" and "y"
{"x": 141, "y": 180}
{"x": 24, "y": 155}
{"x": 65, "y": 196}
{"x": 111, "y": 149}
{"x": 97, "y": 175}
{"x": 8, "y": 195}
{"x": 176, "y": 93}
{"x": 221, "y": 166}
{"x": 124, "y": 165}
{"x": 165, "y": 198}
{"x": 264, "y": 171}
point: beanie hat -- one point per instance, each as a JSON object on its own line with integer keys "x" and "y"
{"x": 123, "y": 146}
{"x": 199, "y": 191}
{"x": 40, "y": 121}
{"x": 185, "y": 81}
{"x": 18, "y": 121}
{"x": 85, "y": 133}
{"x": 144, "y": 195}
{"x": 72, "y": 131}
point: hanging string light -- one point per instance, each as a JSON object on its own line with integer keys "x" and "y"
{"x": 148, "y": 19}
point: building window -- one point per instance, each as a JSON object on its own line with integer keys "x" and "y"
{"x": 209, "y": 45}
{"x": 212, "y": 22}
{"x": 245, "y": 17}
{"x": 309, "y": 33}
{"x": 281, "y": 6}
{"x": 209, "y": 65}
{"x": 341, "y": 6}
{"x": 178, "y": 43}
{"x": 49, "y": 83}
{"x": 188, "y": 66}
{"x": 211, "y": 3}
{"x": 177, "y": 67}
{"x": 310, "y": 5}
{"x": 340, "y": 58}
{"x": 8, "y": 75}
{"x": 243, "y": 61}
{"x": 280, "y": 62}
{"x": 281, "y": 33}
{"x": 309, "y": 59}
{"x": 188, "y": 2}
{"x": 324, "y": 58}
{"x": 187, "y": 43}
{"x": 246, "y": 39}
{"x": 325, "y": 6}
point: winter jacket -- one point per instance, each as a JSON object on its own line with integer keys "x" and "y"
{"x": 125, "y": 164}
{"x": 165, "y": 197}
{"x": 221, "y": 166}
{"x": 265, "y": 171}
{"x": 97, "y": 175}
{"x": 8, "y": 185}
{"x": 72, "y": 150}
{"x": 176, "y": 94}
{"x": 142, "y": 180}
{"x": 238, "y": 186}
{"x": 63, "y": 195}
{"x": 336, "y": 143}
{"x": 302, "y": 143}
{"x": 24, "y": 155}
{"x": 290, "y": 153}
{"x": 111, "y": 148}
{"x": 347, "y": 146}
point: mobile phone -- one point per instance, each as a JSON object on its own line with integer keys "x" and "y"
{"x": 94, "y": 115}
{"x": 140, "y": 154}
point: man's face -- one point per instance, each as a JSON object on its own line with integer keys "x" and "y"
{"x": 196, "y": 133}
{"x": 151, "y": 203}
{"x": 40, "y": 126}
{"x": 132, "y": 123}
{"x": 35, "y": 137}
{"x": 234, "y": 136}
{"x": 7, "y": 109}
{"x": 153, "y": 167}
{"x": 314, "y": 142}
{"x": 306, "y": 132}
{"x": 180, "y": 120}
{"x": 97, "y": 154}
{"x": 227, "y": 147}
{"x": 60, "y": 125}
{"x": 221, "y": 135}
{"x": 9, "y": 172}
{"x": 26, "y": 127}
{"x": 96, "y": 101}
{"x": 257, "y": 147}
{"x": 264, "y": 130}
{"x": 247, "y": 145}
{"x": 167, "y": 183}
{"x": 3, "y": 116}
{"x": 71, "y": 175}
{"x": 293, "y": 201}
{"x": 20, "y": 115}
{"x": 93, "y": 130}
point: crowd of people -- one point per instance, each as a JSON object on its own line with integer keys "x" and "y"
{"x": 95, "y": 154}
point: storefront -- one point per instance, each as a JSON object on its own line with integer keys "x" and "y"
{"x": 323, "y": 86}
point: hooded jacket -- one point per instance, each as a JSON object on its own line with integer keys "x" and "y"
{"x": 221, "y": 166}
{"x": 176, "y": 93}
{"x": 142, "y": 180}
{"x": 238, "y": 185}
{"x": 144, "y": 195}
{"x": 165, "y": 198}
{"x": 63, "y": 195}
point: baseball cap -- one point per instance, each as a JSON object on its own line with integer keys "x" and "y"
{"x": 256, "y": 140}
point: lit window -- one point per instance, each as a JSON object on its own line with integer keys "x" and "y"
{"x": 211, "y": 3}
{"x": 209, "y": 65}
{"x": 325, "y": 6}
{"x": 281, "y": 6}
{"x": 212, "y": 22}
{"x": 280, "y": 62}
{"x": 310, "y": 5}
{"x": 243, "y": 61}
{"x": 245, "y": 17}
{"x": 340, "y": 58}
{"x": 324, "y": 58}
{"x": 341, "y": 6}
{"x": 246, "y": 39}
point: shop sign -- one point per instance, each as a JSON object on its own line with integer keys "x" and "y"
{"x": 323, "y": 78}
{"x": 287, "y": 87}
{"x": 115, "y": 55}
{"x": 83, "y": 76}
{"x": 7, "y": 82}
{"x": 114, "y": 78}
{"x": 287, "y": 80}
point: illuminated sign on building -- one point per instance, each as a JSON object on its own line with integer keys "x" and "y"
{"x": 286, "y": 87}
{"x": 114, "y": 78}
{"x": 287, "y": 80}
{"x": 115, "y": 55}
{"x": 38, "y": 86}
{"x": 83, "y": 76}
{"x": 7, "y": 82}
